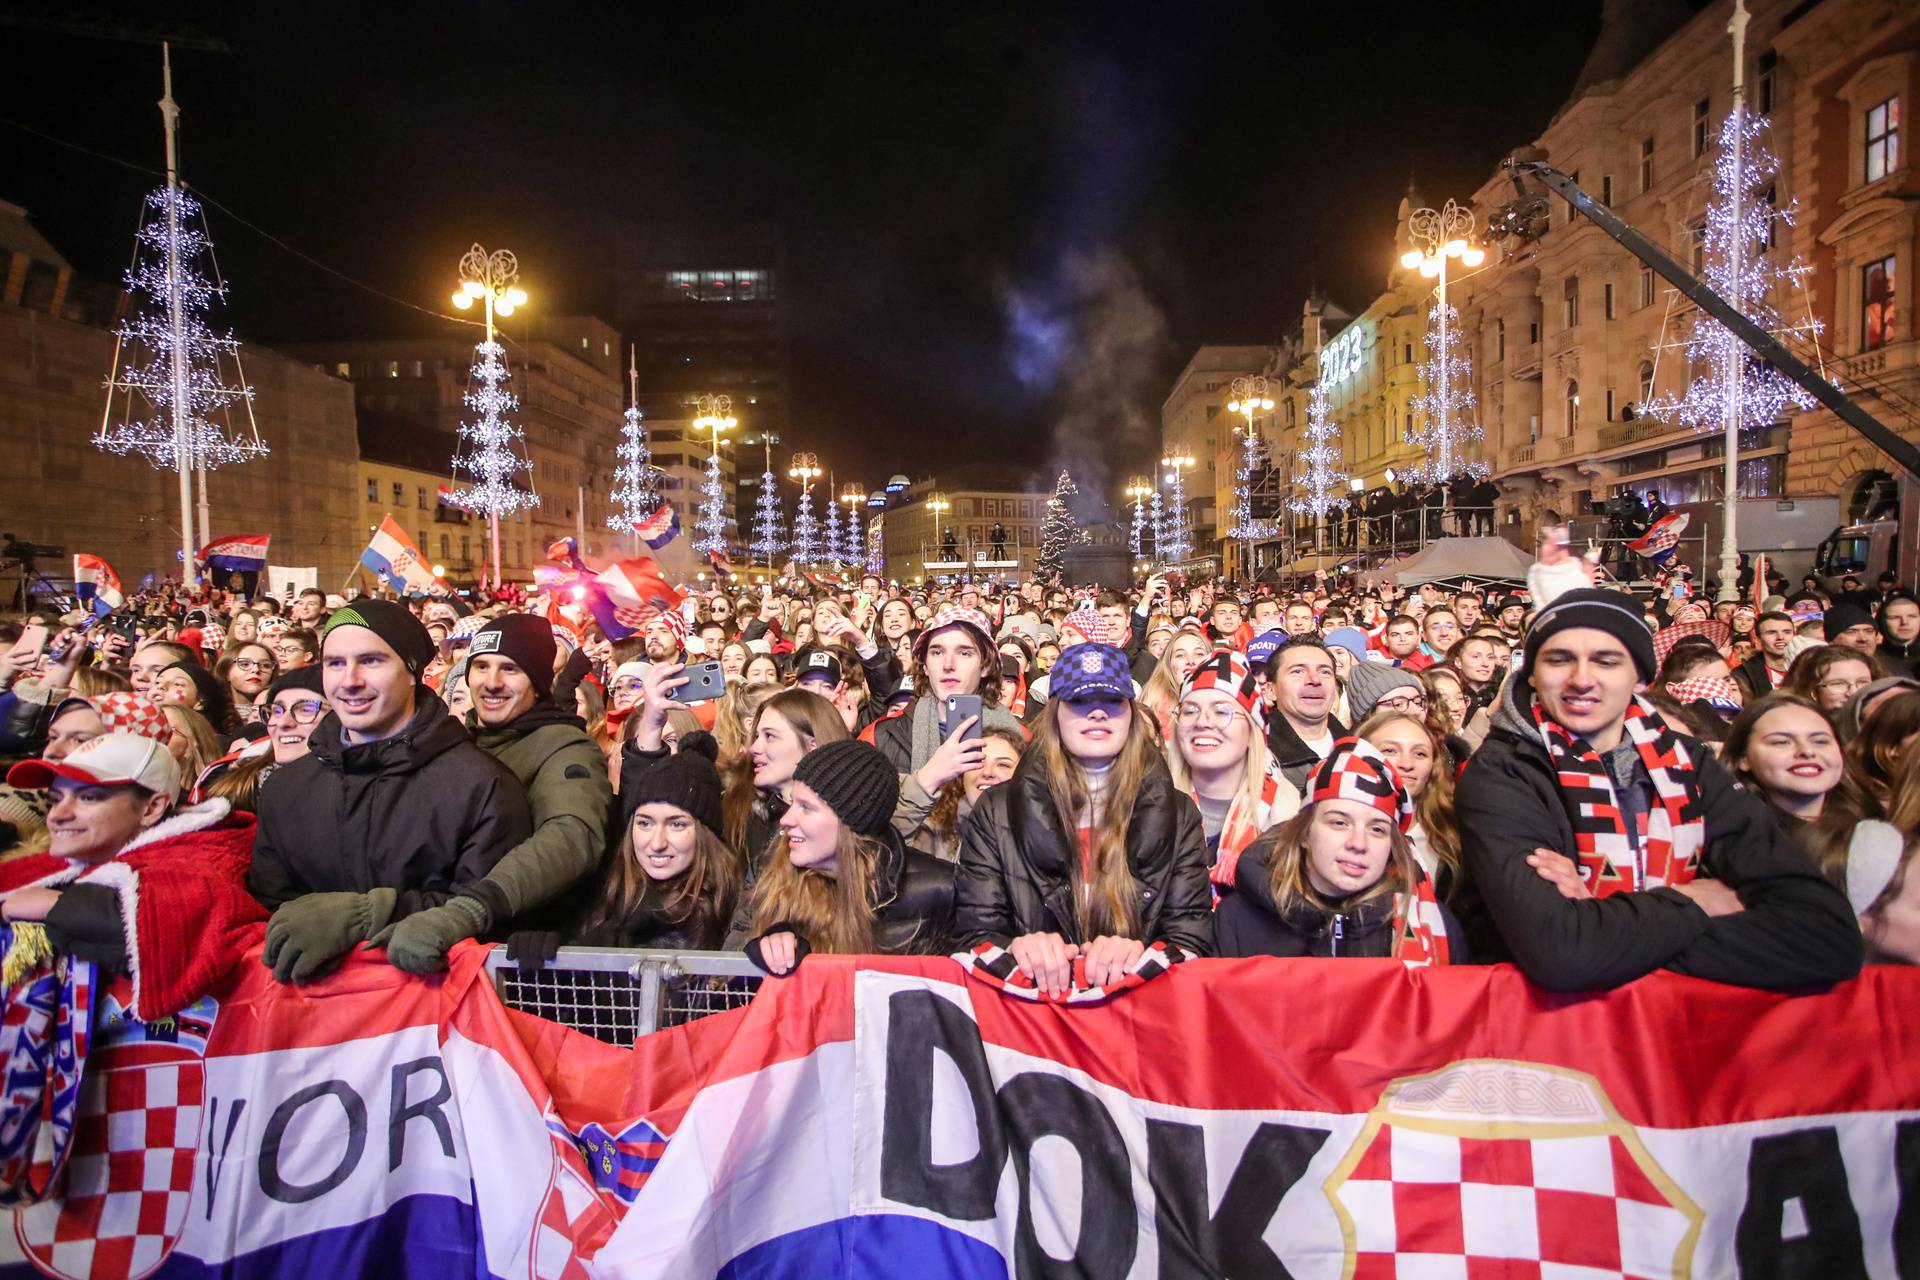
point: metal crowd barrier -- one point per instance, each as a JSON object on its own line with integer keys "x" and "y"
{"x": 619, "y": 995}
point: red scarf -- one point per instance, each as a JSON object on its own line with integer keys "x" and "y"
{"x": 1668, "y": 851}
{"x": 1419, "y": 930}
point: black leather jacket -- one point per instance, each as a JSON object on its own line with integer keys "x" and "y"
{"x": 1014, "y": 871}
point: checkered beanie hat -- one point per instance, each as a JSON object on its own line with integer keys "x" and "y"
{"x": 1092, "y": 626}
{"x": 213, "y": 637}
{"x": 1089, "y": 671}
{"x": 954, "y": 615}
{"x": 1355, "y": 770}
{"x": 1229, "y": 673}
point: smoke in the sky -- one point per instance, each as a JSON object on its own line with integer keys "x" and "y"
{"x": 1095, "y": 348}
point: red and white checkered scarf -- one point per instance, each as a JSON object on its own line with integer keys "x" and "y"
{"x": 1668, "y": 851}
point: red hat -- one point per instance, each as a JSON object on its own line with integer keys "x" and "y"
{"x": 1092, "y": 626}
{"x": 1355, "y": 770}
{"x": 955, "y": 615}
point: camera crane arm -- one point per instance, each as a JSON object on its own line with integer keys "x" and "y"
{"x": 1526, "y": 218}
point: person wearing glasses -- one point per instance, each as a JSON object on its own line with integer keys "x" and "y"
{"x": 247, "y": 671}
{"x": 1830, "y": 675}
{"x": 294, "y": 704}
{"x": 1218, "y": 755}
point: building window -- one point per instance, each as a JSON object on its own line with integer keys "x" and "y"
{"x": 1499, "y": 339}
{"x": 393, "y": 368}
{"x": 420, "y": 492}
{"x": 1646, "y": 164}
{"x": 1877, "y": 304}
{"x": 1700, "y": 110}
{"x": 1408, "y": 357}
{"x": 419, "y": 368}
{"x": 1606, "y": 189}
{"x": 343, "y": 369}
{"x": 1646, "y": 383}
{"x": 1573, "y": 407}
{"x": 1883, "y": 139}
{"x": 399, "y": 493}
{"x": 373, "y": 491}
{"x": 1575, "y": 177}
{"x": 1533, "y": 333}
{"x": 1606, "y": 297}
{"x": 1609, "y": 404}
{"x": 446, "y": 546}
{"x": 1769, "y": 64}
{"x": 1697, "y": 243}
{"x": 1646, "y": 286}
{"x": 1570, "y": 302}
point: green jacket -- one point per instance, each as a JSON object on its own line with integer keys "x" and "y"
{"x": 565, "y": 776}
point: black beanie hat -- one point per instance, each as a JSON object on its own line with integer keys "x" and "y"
{"x": 525, "y": 639}
{"x": 1614, "y": 612}
{"x": 855, "y": 781}
{"x": 1844, "y": 614}
{"x": 686, "y": 780}
{"x": 395, "y": 625}
{"x": 307, "y": 678}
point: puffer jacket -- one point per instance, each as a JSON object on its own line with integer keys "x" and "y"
{"x": 1014, "y": 874}
{"x": 914, "y": 891}
{"x": 564, "y": 774}
{"x": 1795, "y": 932}
{"x": 1250, "y": 923}
{"x": 424, "y": 812}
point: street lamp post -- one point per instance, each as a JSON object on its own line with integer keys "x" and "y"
{"x": 1251, "y": 398}
{"x": 937, "y": 505}
{"x": 492, "y": 279}
{"x": 1442, "y": 235}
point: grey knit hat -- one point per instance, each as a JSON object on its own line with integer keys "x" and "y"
{"x": 855, "y": 781}
{"x": 1369, "y": 682}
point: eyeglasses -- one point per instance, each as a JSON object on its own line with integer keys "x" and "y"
{"x": 302, "y": 712}
{"x": 1842, "y": 686}
{"x": 1410, "y": 702}
{"x": 252, "y": 664}
{"x": 1220, "y": 714}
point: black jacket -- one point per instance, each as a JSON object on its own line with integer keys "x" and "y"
{"x": 893, "y": 736}
{"x": 425, "y": 812}
{"x": 1796, "y": 930}
{"x": 1901, "y": 659}
{"x": 915, "y": 895}
{"x": 1249, "y": 923}
{"x": 1293, "y": 756}
{"x": 1013, "y": 877}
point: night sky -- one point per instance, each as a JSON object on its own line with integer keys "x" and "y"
{"x": 1007, "y": 225}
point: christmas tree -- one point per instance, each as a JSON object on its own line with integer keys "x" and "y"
{"x": 1057, "y": 532}
{"x": 806, "y": 544}
{"x": 876, "y": 546}
{"x": 1320, "y": 455}
{"x": 171, "y": 357}
{"x": 488, "y": 441}
{"x": 831, "y": 552}
{"x": 768, "y": 538}
{"x": 1734, "y": 385}
{"x": 635, "y": 484}
{"x": 1445, "y": 404}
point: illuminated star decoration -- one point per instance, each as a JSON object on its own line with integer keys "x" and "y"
{"x": 1445, "y": 405}
{"x": 769, "y": 540}
{"x": 635, "y": 486}
{"x": 806, "y": 545}
{"x": 1177, "y": 534}
{"x": 170, "y": 248}
{"x": 716, "y": 416}
{"x": 1734, "y": 383}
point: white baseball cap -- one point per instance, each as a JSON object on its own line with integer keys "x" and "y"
{"x": 113, "y": 759}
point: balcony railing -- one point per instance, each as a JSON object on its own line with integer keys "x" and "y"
{"x": 1615, "y": 434}
{"x": 1520, "y": 455}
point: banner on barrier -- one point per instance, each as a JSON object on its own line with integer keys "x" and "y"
{"x": 872, "y": 1118}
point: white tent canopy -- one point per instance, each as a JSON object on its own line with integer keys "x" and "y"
{"x": 1481, "y": 559}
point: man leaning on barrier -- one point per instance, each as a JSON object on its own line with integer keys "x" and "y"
{"x": 392, "y": 811}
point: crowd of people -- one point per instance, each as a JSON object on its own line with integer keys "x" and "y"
{"x": 1083, "y": 782}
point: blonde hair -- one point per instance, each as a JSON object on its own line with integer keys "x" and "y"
{"x": 92, "y": 682}
{"x": 1106, "y": 903}
{"x": 835, "y": 913}
{"x": 733, "y": 718}
{"x": 1162, "y": 690}
{"x": 1253, "y": 773}
{"x": 203, "y": 748}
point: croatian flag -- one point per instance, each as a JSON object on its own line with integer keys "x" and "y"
{"x": 625, "y": 596}
{"x": 97, "y": 585}
{"x": 393, "y": 556}
{"x": 447, "y": 498}
{"x": 242, "y": 553}
{"x": 660, "y": 528}
{"x": 1661, "y": 537}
